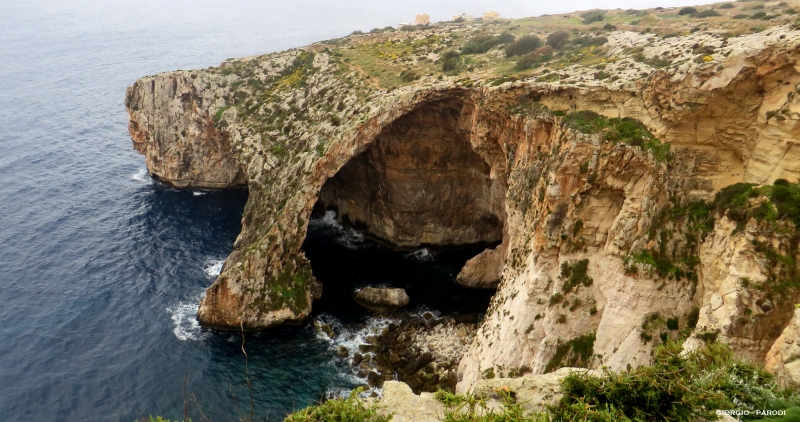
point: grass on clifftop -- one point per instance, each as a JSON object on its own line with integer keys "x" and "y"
{"x": 471, "y": 408}
{"x": 350, "y": 409}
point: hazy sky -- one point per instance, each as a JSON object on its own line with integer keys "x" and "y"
{"x": 218, "y": 29}
{"x": 369, "y": 12}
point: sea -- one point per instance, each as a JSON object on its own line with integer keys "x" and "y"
{"x": 102, "y": 268}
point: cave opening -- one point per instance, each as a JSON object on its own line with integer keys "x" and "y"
{"x": 409, "y": 211}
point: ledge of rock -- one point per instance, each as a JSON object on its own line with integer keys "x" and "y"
{"x": 405, "y": 406}
{"x": 381, "y": 300}
{"x": 533, "y": 392}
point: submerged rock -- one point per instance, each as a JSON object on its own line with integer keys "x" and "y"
{"x": 381, "y": 299}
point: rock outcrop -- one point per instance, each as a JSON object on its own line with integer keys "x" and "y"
{"x": 598, "y": 189}
{"x": 405, "y": 406}
{"x": 381, "y": 299}
{"x": 782, "y": 358}
{"x": 533, "y": 392}
{"x": 171, "y": 126}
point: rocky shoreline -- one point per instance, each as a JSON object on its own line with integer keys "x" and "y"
{"x": 422, "y": 351}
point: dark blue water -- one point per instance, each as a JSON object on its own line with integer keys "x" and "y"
{"x": 101, "y": 267}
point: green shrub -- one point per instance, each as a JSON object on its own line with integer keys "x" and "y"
{"x": 672, "y": 324}
{"x": 350, "y": 409}
{"x": 471, "y": 408}
{"x": 450, "y": 60}
{"x": 727, "y": 6}
{"x": 625, "y": 130}
{"x": 687, "y": 11}
{"x": 706, "y": 13}
{"x": 409, "y": 76}
{"x": 676, "y": 387}
{"x": 506, "y": 37}
{"x": 693, "y": 317}
{"x": 523, "y": 45}
{"x": 480, "y": 44}
{"x": 585, "y": 121}
{"x": 574, "y": 353}
{"x": 783, "y": 204}
{"x": 575, "y": 274}
{"x": 587, "y": 41}
{"x": 593, "y": 16}
{"x": 218, "y": 115}
{"x": 557, "y": 39}
{"x": 541, "y": 55}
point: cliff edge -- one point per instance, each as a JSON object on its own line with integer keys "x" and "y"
{"x": 593, "y": 162}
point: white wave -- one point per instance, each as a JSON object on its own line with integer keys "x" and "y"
{"x": 351, "y": 337}
{"x": 351, "y": 238}
{"x": 141, "y": 176}
{"x": 420, "y": 311}
{"x": 346, "y": 236}
{"x": 198, "y": 193}
{"x": 422, "y": 255}
{"x": 184, "y": 318}
{"x": 328, "y": 220}
{"x": 213, "y": 267}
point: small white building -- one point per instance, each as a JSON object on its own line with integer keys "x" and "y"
{"x": 464, "y": 17}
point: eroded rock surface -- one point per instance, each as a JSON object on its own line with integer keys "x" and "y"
{"x": 420, "y": 183}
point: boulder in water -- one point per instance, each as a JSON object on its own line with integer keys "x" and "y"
{"x": 381, "y": 299}
{"x": 324, "y": 329}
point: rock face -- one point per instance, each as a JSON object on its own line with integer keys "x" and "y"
{"x": 782, "y": 358}
{"x": 420, "y": 183}
{"x": 381, "y": 299}
{"x": 603, "y": 249}
{"x": 533, "y": 392}
{"x": 171, "y": 126}
{"x": 405, "y": 406}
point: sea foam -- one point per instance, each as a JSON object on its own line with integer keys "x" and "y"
{"x": 141, "y": 176}
{"x": 184, "y": 319}
{"x": 213, "y": 267}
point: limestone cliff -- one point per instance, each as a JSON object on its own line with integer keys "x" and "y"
{"x": 591, "y": 174}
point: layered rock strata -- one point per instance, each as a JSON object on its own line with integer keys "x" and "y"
{"x": 451, "y": 159}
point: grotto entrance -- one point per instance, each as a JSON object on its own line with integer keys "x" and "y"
{"x": 409, "y": 211}
{"x": 420, "y": 201}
